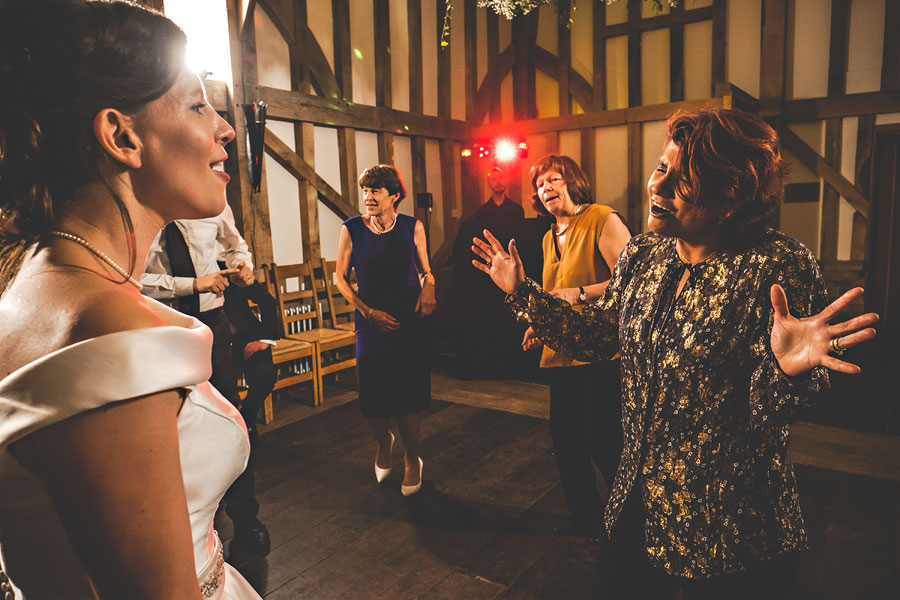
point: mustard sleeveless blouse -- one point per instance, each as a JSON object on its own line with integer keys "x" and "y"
{"x": 580, "y": 264}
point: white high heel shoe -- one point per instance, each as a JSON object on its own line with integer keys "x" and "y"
{"x": 409, "y": 490}
{"x": 382, "y": 474}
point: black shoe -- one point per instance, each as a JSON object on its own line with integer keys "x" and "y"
{"x": 591, "y": 529}
{"x": 249, "y": 543}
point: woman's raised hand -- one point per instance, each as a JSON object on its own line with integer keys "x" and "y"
{"x": 801, "y": 344}
{"x": 504, "y": 267}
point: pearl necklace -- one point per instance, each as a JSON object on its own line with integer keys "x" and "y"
{"x": 83, "y": 242}
{"x": 381, "y": 231}
{"x": 561, "y": 229}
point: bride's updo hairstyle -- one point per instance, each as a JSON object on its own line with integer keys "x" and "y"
{"x": 61, "y": 62}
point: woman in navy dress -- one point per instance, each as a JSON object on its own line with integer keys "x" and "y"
{"x": 395, "y": 291}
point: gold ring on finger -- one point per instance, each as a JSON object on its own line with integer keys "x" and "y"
{"x": 836, "y": 346}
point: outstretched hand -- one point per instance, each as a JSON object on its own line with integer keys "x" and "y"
{"x": 504, "y": 267}
{"x": 801, "y": 344}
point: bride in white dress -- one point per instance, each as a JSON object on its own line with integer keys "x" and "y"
{"x": 114, "y": 449}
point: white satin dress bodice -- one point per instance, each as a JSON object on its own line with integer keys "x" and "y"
{"x": 35, "y": 551}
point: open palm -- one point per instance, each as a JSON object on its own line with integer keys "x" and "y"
{"x": 801, "y": 344}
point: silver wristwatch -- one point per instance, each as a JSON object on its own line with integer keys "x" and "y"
{"x": 582, "y": 297}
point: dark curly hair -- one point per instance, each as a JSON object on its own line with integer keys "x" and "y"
{"x": 384, "y": 176}
{"x": 729, "y": 160}
{"x": 61, "y": 62}
{"x": 577, "y": 183}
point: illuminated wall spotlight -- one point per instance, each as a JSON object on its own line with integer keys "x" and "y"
{"x": 466, "y": 152}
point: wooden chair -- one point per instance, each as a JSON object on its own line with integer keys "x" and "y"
{"x": 298, "y": 304}
{"x": 342, "y": 313}
{"x": 294, "y": 360}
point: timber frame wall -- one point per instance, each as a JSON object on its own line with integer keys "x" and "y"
{"x": 330, "y": 106}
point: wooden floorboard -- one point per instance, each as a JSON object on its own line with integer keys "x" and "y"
{"x": 482, "y": 525}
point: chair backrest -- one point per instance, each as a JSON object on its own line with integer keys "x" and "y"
{"x": 338, "y": 307}
{"x": 295, "y": 291}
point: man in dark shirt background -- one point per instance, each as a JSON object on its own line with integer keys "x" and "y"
{"x": 498, "y": 207}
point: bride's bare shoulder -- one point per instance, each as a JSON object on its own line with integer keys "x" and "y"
{"x": 53, "y": 310}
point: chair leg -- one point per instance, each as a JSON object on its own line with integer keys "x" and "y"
{"x": 268, "y": 413}
{"x": 319, "y": 385}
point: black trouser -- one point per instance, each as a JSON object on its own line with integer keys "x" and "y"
{"x": 585, "y": 423}
{"x": 260, "y": 376}
{"x": 625, "y": 571}
{"x": 240, "y": 498}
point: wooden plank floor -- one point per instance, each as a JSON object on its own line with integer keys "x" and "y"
{"x": 481, "y": 527}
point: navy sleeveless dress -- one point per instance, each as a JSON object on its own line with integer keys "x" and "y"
{"x": 393, "y": 368}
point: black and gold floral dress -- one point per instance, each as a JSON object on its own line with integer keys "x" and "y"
{"x": 706, "y": 408}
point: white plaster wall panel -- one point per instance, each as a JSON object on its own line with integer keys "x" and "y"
{"x": 457, "y": 51}
{"x": 366, "y": 156}
{"x": 616, "y": 71}
{"x": 284, "y": 204}
{"x": 653, "y": 136}
{"x": 649, "y": 9}
{"x": 273, "y": 58}
{"x": 504, "y": 27}
{"x": 583, "y": 39}
{"x": 743, "y": 24}
{"x": 655, "y": 66}
{"x": 362, "y": 53}
{"x": 430, "y": 45}
{"x": 399, "y": 54}
{"x": 321, "y": 23}
{"x": 866, "y": 46}
{"x": 801, "y": 221}
{"x": 481, "y": 58}
{"x": 612, "y": 167}
{"x": 329, "y": 232}
{"x": 328, "y": 158}
{"x": 570, "y": 144}
{"x": 887, "y": 119}
{"x": 547, "y": 95}
{"x": 698, "y": 66}
{"x": 849, "y": 129}
{"x": 507, "y": 109}
{"x": 617, "y": 12}
{"x": 403, "y": 163}
{"x": 811, "y": 132}
{"x": 577, "y": 109}
{"x": 547, "y": 32}
{"x": 845, "y": 230}
{"x": 692, "y": 4}
{"x": 807, "y": 69}
{"x": 433, "y": 168}
{"x": 205, "y": 22}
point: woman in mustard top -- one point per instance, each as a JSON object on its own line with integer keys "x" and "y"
{"x": 580, "y": 252}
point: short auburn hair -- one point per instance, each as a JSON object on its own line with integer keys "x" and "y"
{"x": 384, "y": 176}
{"x": 732, "y": 160}
{"x": 577, "y": 183}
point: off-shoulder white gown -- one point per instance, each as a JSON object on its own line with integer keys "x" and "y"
{"x": 36, "y": 554}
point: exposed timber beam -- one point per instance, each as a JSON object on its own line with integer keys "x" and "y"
{"x": 300, "y": 169}
{"x": 809, "y": 157}
{"x": 296, "y": 106}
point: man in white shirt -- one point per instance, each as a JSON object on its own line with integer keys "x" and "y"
{"x": 182, "y": 271}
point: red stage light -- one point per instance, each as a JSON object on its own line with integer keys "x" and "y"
{"x": 505, "y": 150}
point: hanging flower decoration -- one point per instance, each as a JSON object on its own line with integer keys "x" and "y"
{"x": 511, "y": 8}
{"x": 514, "y": 8}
